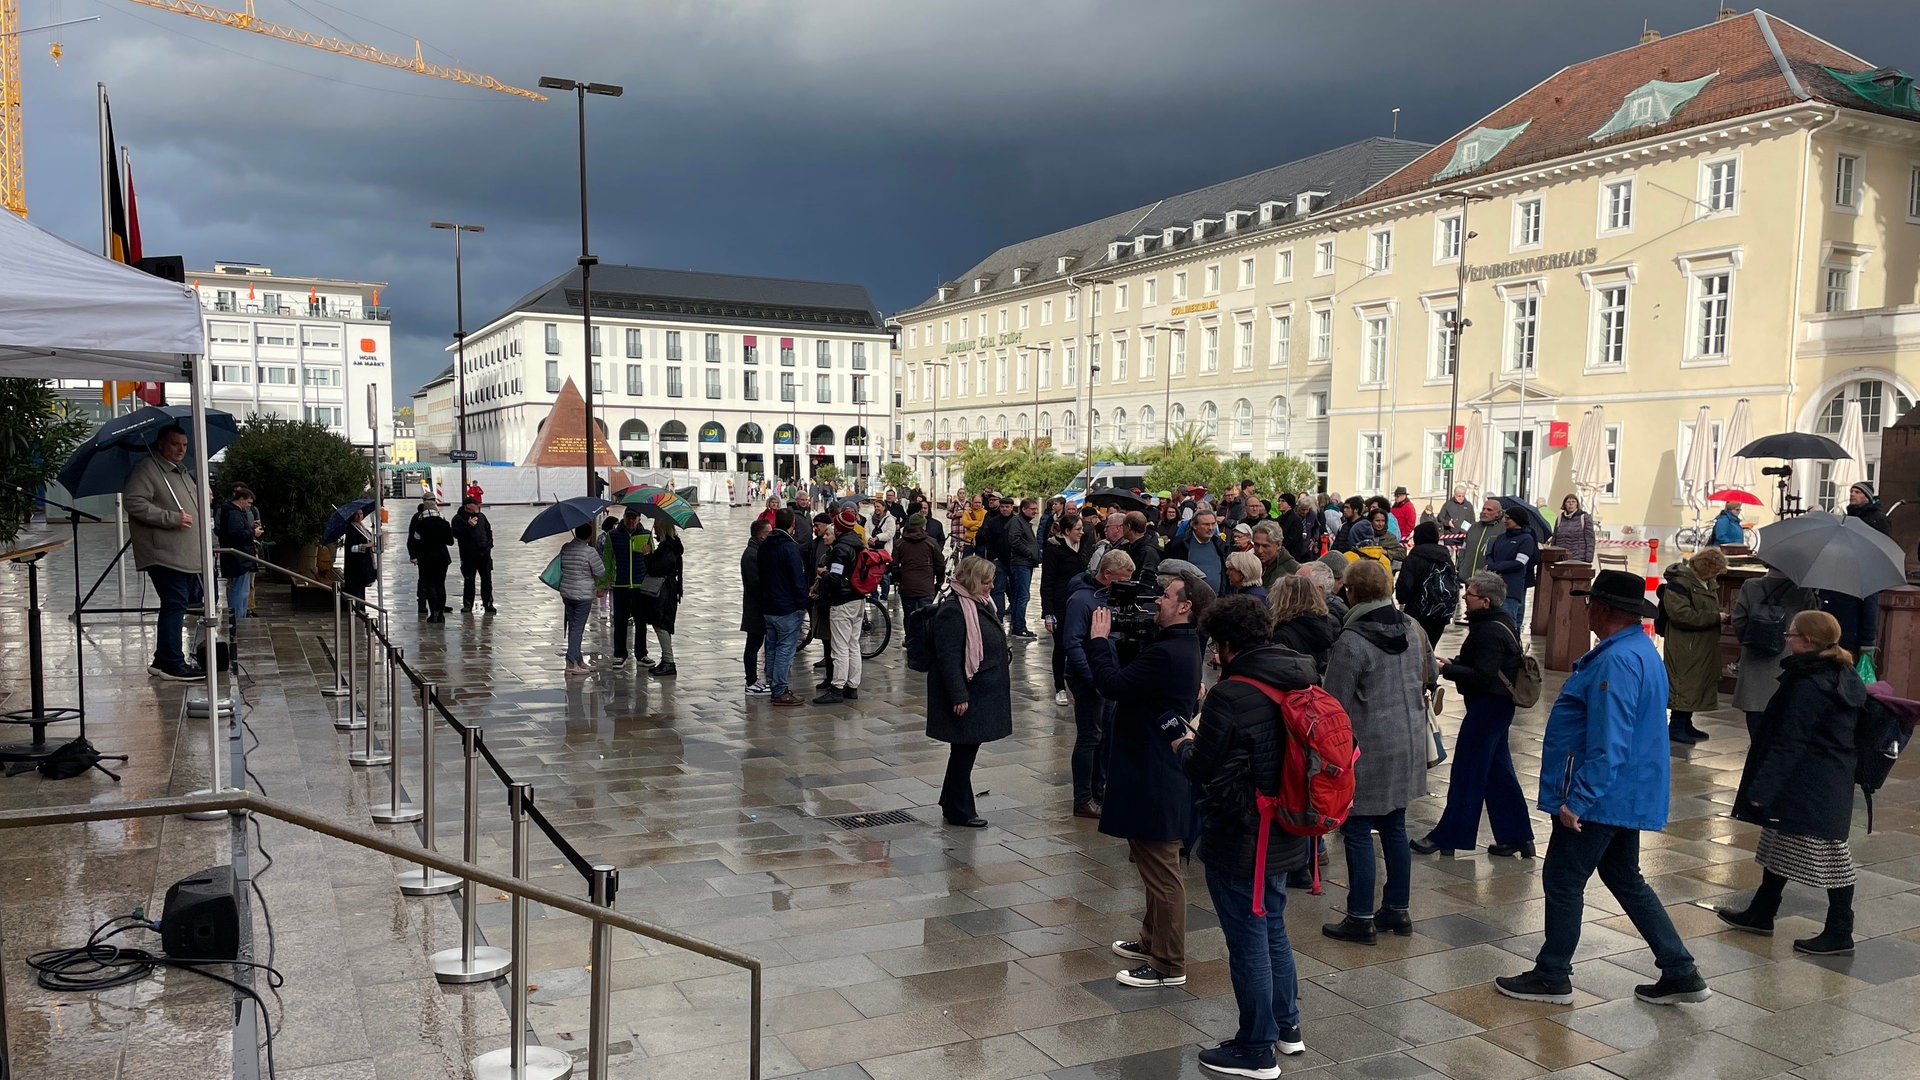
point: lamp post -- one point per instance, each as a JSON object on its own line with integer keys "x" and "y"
{"x": 1033, "y": 439}
{"x": 587, "y": 261}
{"x": 1166, "y": 404}
{"x": 933, "y": 384}
{"x": 460, "y": 343}
{"x": 1458, "y": 322}
{"x": 1093, "y": 365}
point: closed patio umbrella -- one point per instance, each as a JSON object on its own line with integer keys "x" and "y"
{"x": 1737, "y": 472}
{"x": 1472, "y": 463}
{"x": 1590, "y": 473}
{"x": 1696, "y": 473}
{"x": 1849, "y": 470}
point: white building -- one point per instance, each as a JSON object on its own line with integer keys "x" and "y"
{"x": 702, "y": 371}
{"x": 300, "y": 348}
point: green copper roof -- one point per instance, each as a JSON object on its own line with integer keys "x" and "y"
{"x": 1651, "y": 105}
{"x": 1477, "y": 147}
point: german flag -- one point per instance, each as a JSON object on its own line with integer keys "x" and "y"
{"x": 122, "y": 237}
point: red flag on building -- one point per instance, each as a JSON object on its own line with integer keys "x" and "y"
{"x": 133, "y": 212}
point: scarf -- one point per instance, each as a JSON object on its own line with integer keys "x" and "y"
{"x": 1358, "y": 610}
{"x": 970, "y": 615}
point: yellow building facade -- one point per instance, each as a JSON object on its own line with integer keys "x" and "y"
{"x": 1727, "y": 214}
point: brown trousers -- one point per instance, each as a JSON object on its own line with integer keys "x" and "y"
{"x": 1163, "y": 927}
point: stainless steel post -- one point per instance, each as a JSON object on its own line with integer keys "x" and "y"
{"x": 340, "y": 687}
{"x": 606, "y": 882}
{"x": 347, "y": 668}
{"x": 424, "y": 880}
{"x": 371, "y": 753}
{"x": 517, "y": 1060}
{"x": 472, "y": 961}
{"x": 398, "y": 807}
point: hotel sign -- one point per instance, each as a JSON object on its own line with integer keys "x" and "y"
{"x": 987, "y": 341}
{"x": 1559, "y": 260}
{"x": 1189, "y": 309}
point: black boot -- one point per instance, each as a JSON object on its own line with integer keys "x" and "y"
{"x": 1837, "y": 938}
{"x": 1680, "y": 728}
{"x": 1352, "y": 928}
{"x": 1758, "y": 916}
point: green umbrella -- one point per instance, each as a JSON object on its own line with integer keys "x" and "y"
{"x": 659, "y": 504}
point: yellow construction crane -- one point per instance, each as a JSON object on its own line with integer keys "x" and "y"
{"x": 12, "y": 178}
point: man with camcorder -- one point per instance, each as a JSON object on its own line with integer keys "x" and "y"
{"x": 1088, "y": 593}
{"x": 1153, "y": 810}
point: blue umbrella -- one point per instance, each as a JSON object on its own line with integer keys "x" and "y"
{"x": 100, "y": 465}
{"x": 564, "y": 517}
{"x": 337, "y": 521}
{"x": 1537, "y": 523}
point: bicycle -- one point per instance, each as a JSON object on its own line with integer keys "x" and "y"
{"x": 876, "y": 627}
{"x": 1691, "y": 538}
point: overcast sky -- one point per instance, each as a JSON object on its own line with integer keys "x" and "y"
{"x": 877, "y": 141}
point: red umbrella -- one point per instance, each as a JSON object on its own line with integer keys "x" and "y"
{"x": 1735, "y": 495}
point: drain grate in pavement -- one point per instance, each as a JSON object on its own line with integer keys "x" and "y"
{"x": 867, "y": 821}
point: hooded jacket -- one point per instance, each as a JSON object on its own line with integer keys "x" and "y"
{"x": 475, "y": 537}
{"x": 1514, "y": 555}
{"x": 157, "y": 490}
{"x": 1084, "y": 594}
{"x": 1377, "y": 671}
{"x": 918, "y": 566}
{"x": 783, "y": 574}
{"x": 1060, "y": 565}
{"x": 1310, "y": 635}
{"x": 1424, "y": 561}
{"x": 1870, "y": 512}
{"x": 1605, "y": 753}
{"x": 1239, "y": 749}
{"x": 1800, "y": 769}
{"x": 429, "y": 541}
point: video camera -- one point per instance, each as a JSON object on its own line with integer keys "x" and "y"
{"x": 1777, "y": 470}
{"x": 1132, "y": 604}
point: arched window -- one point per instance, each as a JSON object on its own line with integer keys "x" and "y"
{"x": 633, "y": 431}
{"x": 1209, "y": 419}
{"x": 1020, "y": 426}
{"x": 982, "y": 425}
{"x": 821, "y": 435}
{"x": 856, "y": 436}
{"x": 1093, "y": 427}
{"x": 786, "y": 435}
{"x": 673, "y": 431}
{"x": 1278, "y": 419}
{"x": 1045, "y": 431}
{"x": 1000, "y": 426}
{"x": 1176, "y": 421}
{"x": 712, "y": 432}
{"x": 1243, "y": 419}
{"x": 1148, "y": 432}
{"x": 1069, "y": 428}
{"x": 1881, "y": 404}
{"x": 1121, "y": 436}
{"x": 946, "y": 429}
{"x": 961, "y": 437}
{"x": 748, "y": 435}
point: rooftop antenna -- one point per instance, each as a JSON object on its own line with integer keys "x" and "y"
{"x": 1396, "y": 123}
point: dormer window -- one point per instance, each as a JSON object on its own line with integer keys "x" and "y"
{"x": 1238, "y": 218}
{"x": 1171, "y": 235}
{"x": 1020, "y": 273}
{"x": 1651, "y": 105}
{"x": 946, "y": 291}
{"x": 1272, "y": 211}
{"x": 1140, "y": 245}
{"x": 979, "y": 285}
{"x": 1307, "y": 202}
{"x": 1201, "y": 225}
{"x": 1061, "y": 264}
{"x": 1117, "y": 250}
{"x": 1479, "y": 146}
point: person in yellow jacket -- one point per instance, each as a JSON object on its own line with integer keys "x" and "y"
{"x": 971, "y": 520}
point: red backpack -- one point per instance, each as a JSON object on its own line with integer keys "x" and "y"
{"x": 868, "y": 568}
{"x": 1316, "y": 774}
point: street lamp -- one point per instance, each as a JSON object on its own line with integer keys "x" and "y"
{"x": 1093, "y": 364}
{"x": 1166, "y": 404}
{"x": 460, "y": 343}
{"x": 587, "y": 261}
{"x": 1457, "y": 322}
{"x": 933, "y": 385}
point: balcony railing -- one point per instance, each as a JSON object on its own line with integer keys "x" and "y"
{"x": 305, "y": 311}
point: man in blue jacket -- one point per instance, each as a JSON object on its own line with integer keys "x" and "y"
{"x": 1515, "y": 556}
{"x": 1091, "y": 712}
{"x": 1604, "y": 778}
{"x": 783, "y": 585}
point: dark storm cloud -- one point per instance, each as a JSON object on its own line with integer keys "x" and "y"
{"x": 887, "y": 143}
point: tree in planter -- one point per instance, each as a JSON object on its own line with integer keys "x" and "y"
{"x": 828, "y": 474}
{"x": 299, "y": 473}
{"x": 896, "y": 475}
{"x": 36, "y": 435}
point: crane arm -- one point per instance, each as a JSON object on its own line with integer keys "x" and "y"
{"x": 247, "y": 20}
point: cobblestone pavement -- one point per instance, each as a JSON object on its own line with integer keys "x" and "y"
{"x": 923, "y": 951}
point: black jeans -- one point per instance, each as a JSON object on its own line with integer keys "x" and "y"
{"x": 1572, "y": 858}
{"x": 433, "y": 588}
{"x": 483, "y": 568}
{"x": 956, "y": 791}
{"x": 1091, "y": 715}
{"x": 756, "y": 638}
{"x": 628, "y": 609}
{"x": 1059, "y": 659}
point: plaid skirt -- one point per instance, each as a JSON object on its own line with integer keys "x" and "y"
{"x": 1809, "y": 860}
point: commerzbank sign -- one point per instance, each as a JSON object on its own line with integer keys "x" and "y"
{"x": 1559, "y": 260}
{"x": 985, "y": 341}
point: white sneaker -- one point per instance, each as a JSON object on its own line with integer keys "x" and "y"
{"x": 760, "y": 688}
{"x": 1060, "y": 698}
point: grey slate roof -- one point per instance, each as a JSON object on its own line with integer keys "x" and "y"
{"x": 1343, "y": 173}
{"x": 695, "y": 296}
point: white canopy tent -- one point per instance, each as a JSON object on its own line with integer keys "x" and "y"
{"x": 66, "y": 313}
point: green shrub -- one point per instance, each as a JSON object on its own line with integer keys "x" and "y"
{"x": 36, "y": 435}
{"x": 299, "y": 473}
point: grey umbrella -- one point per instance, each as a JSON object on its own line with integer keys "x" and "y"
{"x": 1843, "y": 555}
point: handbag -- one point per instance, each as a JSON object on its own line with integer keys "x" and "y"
{"x": 1524, "y": 687}
{"x": 1439, "y": 755}
{"x": 1435, "y": 695}
{"x": 550, "y": 577}
{"x": 650, "y": 587}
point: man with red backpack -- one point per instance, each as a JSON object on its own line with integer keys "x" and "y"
{"x": 1237, "y": 756}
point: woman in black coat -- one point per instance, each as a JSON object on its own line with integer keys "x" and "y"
{"x": 1062, "y": 558}
{"x": 667, "y": 561}
{"x": 1427, "y": 558}
{"x": 1798, "y": 784}
{"x": 1300, "y": 619}
{"x": 1483, "y": 758}
{"x": 966, "y": 709}
{"x": 753, "y": 607}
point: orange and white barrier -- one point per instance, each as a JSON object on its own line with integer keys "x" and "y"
{"x": 1653, "y": 582}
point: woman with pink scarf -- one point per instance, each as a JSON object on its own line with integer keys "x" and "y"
{"x": 969, "y": 697}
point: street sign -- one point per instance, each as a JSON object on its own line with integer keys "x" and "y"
{"x": 1446, "y": 459}
{"x": 463, "y": 455}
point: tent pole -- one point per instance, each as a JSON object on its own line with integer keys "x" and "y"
{"x": 209, "y": 602}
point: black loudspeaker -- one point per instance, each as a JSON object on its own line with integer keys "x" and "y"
{"x": 201, "y": 920}
{"x": 170, "y": 267}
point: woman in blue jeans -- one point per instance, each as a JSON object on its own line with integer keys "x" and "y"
{"x": 580, "y": 570}
{"x": 1376, "y": 670}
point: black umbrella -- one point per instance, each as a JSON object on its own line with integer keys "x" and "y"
{"x": 564, "y": 517}
{"x": 1792, "y": 446}
{"x": 1537, "y": 524}
{"x": 1843, "y": 555}
{"x": 1116, "y": 499}
{"x": 337, "y": 521}
{"x": 101, "y": 465}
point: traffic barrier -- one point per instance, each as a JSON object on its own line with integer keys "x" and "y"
{"x": 1653, "y": 582}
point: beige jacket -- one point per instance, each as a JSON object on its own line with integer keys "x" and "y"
{"x": 157, "y": 490}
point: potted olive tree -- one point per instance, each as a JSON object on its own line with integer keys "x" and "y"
{"x": 299, "y": 472}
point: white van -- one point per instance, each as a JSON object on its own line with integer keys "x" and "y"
{"x": 1105, "y": 474}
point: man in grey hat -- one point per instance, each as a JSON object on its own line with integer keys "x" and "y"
{"x": 1609, "y": 727}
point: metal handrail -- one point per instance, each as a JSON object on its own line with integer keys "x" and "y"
{"x": 250, "y": 802}
{"x": 315, "y": 582}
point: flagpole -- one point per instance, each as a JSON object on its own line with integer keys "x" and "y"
{"x": 106, "y": 163}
